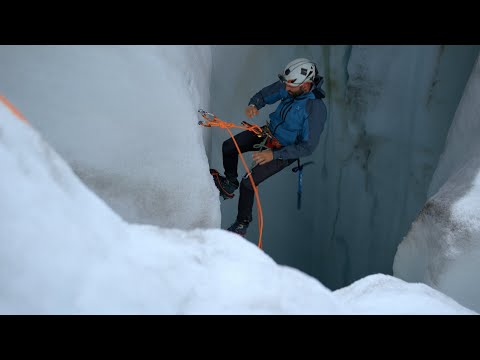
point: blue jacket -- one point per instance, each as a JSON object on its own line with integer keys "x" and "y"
{"x": 296, "y": 123}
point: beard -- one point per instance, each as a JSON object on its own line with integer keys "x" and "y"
{"x": 296, "y": 93}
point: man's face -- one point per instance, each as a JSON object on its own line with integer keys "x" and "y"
{"x": 294, "y": 90}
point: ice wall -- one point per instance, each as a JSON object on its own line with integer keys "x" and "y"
{"x": 124, "y": 117}
{"x": 442, "y": 248}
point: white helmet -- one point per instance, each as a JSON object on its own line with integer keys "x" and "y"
{"x": 298, "y": 71}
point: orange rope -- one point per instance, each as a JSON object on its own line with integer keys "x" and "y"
{"x": 13, "y": 109}
{"x": 257, "y": 130}
{"x": 259, "y": 206}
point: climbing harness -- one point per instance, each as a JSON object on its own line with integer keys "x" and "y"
{"x": 268, "y": 142}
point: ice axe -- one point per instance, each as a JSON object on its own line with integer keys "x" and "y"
{"x": 299, "y": 169}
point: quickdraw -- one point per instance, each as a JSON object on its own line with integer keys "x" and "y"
{"x": 262, "y": 132}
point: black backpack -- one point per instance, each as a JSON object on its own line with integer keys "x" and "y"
{"x": 318, "y": 81}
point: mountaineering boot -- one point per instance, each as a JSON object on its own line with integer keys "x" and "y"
{"x": 226, "y": 186}
{"x": 239, "y": 227}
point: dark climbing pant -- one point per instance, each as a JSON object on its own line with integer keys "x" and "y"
{"x": 246, "y": 140}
